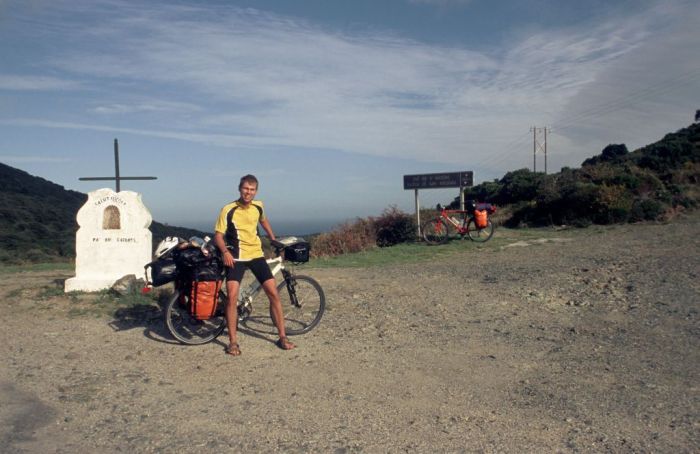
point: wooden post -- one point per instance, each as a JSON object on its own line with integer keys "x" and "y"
{"x": 417, "y": 214}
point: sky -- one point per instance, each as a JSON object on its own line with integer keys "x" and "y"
{"x": 328, "y": 102}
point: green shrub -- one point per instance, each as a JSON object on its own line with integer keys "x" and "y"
{"x": 393, "y": 227}
{"x": 346, "y": 238}
{"x": 646, "y": 210}
{"x": 520, "y": 185}
{"x": 611, "y": 153}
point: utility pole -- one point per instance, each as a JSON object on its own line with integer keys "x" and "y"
{"x": 545, "y": 151}
{"x": 537, "y": 145}
{"x": 534, "y": 149}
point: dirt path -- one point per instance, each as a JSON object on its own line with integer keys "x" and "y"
{"x": 578, "y": 342}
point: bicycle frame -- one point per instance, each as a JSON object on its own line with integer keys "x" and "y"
{"x": 246, "y": 296}
{"x": 460, "y": 225}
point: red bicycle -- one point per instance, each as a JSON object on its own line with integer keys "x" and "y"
{"x": 473, "y": 222}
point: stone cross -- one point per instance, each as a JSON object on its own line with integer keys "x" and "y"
{"x": 117, "y": 178}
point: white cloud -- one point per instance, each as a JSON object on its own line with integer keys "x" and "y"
{"x": 35, "y": 83}
{"x": 263, "y": 80}
{"x": 150, "y": 106}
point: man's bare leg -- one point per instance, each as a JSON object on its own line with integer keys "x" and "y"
{"x": 232, "y": 317}
{"x": 277, "y": 314}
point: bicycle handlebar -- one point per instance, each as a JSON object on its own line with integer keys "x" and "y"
{"x": 277, "y": 245}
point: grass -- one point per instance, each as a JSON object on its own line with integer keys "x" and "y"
{"x": 420, "y": 251}
{"x": 32, "y": 267}
{"x": 105, "y": 303}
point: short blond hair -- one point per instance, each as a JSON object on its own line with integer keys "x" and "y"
{"x": 248, "y": 179}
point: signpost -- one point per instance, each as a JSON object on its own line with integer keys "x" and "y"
{"x": 439, "y": 180}
{"x": 459, "y": 180}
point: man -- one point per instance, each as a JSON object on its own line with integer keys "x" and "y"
{"x": 236, "y": 236}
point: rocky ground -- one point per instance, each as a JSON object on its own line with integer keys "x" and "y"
{"x": 545, "y": 341}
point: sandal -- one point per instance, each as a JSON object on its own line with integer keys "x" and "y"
{"x": 284, "y": 344}
{"x": 233, "y": 350}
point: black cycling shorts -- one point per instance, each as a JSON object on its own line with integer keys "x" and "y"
{"x": 258, "y": 266}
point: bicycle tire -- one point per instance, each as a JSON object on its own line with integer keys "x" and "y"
{"x": 435, "y": 231}
{"x": 302, "y": 319}
{"x": 477, "y": 234}
{"x": 188, "y": 330}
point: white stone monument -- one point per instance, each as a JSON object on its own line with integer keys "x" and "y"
{"x": 113, "y": 240}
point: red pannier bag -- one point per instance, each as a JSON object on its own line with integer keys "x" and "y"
{"x": 481, "y": 218}
{"x": 204, "y": 297}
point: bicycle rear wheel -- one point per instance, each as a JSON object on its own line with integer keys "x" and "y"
{"x": 435, "y": 231}
{"x": 187, "y": 329}
{"x": 303, "y": 312}
{"x": 477, "y": 234}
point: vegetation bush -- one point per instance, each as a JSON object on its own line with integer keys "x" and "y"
{"x": 611, "y": 153}
{"x": 646, "y": 210}
{"x": 393, "y": 227}
{"x": 346, "y": 238}
{"x": 615, "y": 186}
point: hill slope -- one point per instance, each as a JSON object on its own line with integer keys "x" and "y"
{"x": 653, "y": 182}
{"x": 37, "y": 219}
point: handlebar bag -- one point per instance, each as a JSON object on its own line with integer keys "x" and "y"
{"x": 297, "y": 252}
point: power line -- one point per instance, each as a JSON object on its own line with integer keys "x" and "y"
{"x": 664, "y": 86}
{"x": 636, "y": 96}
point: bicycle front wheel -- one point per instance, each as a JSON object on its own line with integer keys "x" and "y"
{"x": 477, "y": 234}
{"x": 303, "y": 304}
{"x": 187, "y": 329}
{"x": 435, "y": 231}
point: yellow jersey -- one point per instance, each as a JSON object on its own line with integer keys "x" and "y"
{"x": 239, "y": 225}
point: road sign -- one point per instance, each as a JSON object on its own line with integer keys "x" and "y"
{"x": 439, "y": 180}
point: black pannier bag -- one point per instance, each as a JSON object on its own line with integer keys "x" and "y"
{"x": 470, "y": 205}
{"x": 163, "y": 270}
{"x": 208, "y": 271}
{"x": 297, "y": 252}
{"x": 191, "y": 260}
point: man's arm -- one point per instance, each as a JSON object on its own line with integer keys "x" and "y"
{"x": 221, "y": 246}
{"x": 267, "y": 228}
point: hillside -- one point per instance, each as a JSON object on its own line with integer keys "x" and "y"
{"x": 37, "y": 219}
{"x": 654, "y": 182}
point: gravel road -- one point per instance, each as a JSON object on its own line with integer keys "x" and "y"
{"x": 569, "y": 341}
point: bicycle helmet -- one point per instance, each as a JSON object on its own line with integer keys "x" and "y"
{"x": 166, "y": 245}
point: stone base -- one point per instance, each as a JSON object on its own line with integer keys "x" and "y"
{"x": 77, "y": 284}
